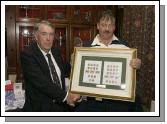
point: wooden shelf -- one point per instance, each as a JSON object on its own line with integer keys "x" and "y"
{"x": 29, "y": 12}
{"x": 72, "y": 21}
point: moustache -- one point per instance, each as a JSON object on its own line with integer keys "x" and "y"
{"x": 106, "y": 32}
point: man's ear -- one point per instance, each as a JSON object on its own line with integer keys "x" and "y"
{"x": 98, "y": 26}
{"x": 35, "y": 35}
{"x": 114, "y": 27}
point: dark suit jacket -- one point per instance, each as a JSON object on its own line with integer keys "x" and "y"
{"x": 41, "y": 93}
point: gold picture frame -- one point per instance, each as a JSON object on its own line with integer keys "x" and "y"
{"x": 104, "y": 73}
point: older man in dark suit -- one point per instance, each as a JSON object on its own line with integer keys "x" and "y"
{"x": 43, "y": 71}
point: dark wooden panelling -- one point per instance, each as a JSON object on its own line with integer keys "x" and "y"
{"x": 11, "y": 44}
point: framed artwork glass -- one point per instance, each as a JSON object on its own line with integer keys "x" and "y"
{"x": 104, "y": 73}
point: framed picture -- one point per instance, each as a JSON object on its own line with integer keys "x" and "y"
{"x": 104, "y": 73}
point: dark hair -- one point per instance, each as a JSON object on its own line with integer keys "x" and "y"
{"x": 36, "y": 28}
{"x": 106, "y": 15}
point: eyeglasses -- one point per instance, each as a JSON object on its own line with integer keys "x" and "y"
{"x": 45, "y": 34}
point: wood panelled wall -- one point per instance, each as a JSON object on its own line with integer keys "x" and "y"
{"x": 10, "y": 42}
{"x": 139, "y": 31}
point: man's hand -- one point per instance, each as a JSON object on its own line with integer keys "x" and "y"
{"x": 72, "y": 98}
{"x": 135, "y": 63}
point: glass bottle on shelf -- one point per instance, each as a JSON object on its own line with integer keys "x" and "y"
{"x": 60, "y": 39}
{"x": 26, "y": 8}
{"x": 26, "y": 36}
{"x": 29, "y": 12}
{"x": 77, "y": 39}
{"x": 56, "y": 12}
{"x": 76, "y": 12}
{"x": 78, "y": 42}
{"x": 88, "y": 16}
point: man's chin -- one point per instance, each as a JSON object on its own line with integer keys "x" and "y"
{"x": 47, "y": 48}
{"x": 106, "y": 38}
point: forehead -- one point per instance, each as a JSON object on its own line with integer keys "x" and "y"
{"x": 45, "y": 27}
{"x": 105, "y": 21}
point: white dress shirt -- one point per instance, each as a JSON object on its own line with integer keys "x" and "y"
{"x": 101, "y": 45}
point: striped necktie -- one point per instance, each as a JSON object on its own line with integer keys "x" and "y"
{"x": 53, "y": 71}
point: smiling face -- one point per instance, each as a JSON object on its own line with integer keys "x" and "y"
{"x": 106, "y": 29}
{"x": 45, "y": 37}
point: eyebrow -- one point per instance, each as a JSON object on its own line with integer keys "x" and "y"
{"x": 47, "y": 32}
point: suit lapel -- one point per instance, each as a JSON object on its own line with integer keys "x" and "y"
{"x": 41, "y": 59}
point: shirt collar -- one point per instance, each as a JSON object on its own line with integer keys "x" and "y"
{"x": 97, "y": 42}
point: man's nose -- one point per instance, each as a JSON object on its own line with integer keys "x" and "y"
{"x": 107, "y": 27}
{"x": 48, "y": 37}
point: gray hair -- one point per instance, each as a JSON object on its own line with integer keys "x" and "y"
{"x": 106, "y": 15}
{"x": 36, "y": 28}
